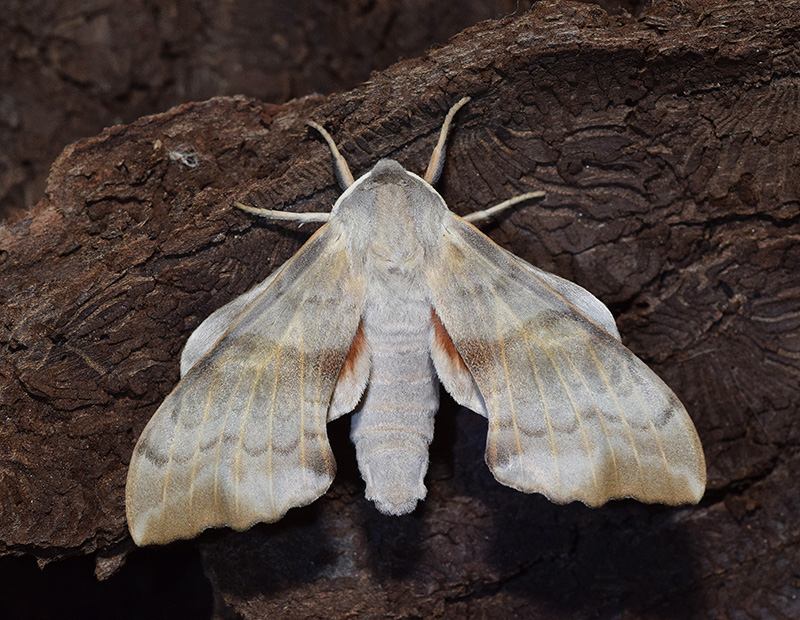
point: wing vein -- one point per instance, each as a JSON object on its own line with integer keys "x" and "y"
{"x": 170, "y": 460}
{"x": 197, "y": 448}
{"x": 270, "y": 427}
{"x": 650, "y": 424}
{"x": 575, "y": 411}
{"x": 542, "y": 393}
{"x": 620, "y": 413}
{"x": 237, "y": 459}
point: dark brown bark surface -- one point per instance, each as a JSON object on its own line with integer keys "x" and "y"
{"x": 72, "y": 67}
{"x": 667, "y": 146}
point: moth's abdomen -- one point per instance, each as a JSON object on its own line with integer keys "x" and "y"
{"x": 394, "y": 425}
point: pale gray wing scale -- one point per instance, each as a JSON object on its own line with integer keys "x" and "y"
{"x": 242, "y": 438}
{"x": 573, "y": 414}
{"x": 585, "y": 303}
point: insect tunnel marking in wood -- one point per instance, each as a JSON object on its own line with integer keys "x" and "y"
{"x": 393, "y": 291}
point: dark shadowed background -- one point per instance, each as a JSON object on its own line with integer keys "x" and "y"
{"x": 666, "y": 137}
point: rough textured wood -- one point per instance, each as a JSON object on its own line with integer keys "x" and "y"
{"x": 668, "y": 148}
{"x": 68, "y": 68}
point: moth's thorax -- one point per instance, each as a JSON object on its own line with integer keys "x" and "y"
{"x": 395, "y": 246}
{"x": 393, "y": 218}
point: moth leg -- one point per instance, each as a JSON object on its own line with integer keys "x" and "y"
{"x": 487, "y": 214}
{"x": 437, "y": 158}
{"x": 343, "y": 174}
{"x": 284, "y": 215}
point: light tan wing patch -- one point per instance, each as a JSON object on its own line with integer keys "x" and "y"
{"x": 242, "y": 438}
{"x": 573, "y": 414}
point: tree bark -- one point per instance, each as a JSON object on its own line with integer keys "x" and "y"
{"x": 667, "y": 146}
{"x": 71, "y": 67}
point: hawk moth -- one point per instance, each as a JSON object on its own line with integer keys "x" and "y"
{"x": 391, "y": 293}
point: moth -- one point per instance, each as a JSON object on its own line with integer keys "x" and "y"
{"x": 392, "y": 292}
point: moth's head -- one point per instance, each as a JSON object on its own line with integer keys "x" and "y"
{"x": 388, "y": 171}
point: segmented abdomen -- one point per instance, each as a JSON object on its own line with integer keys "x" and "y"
{"x": 394, "y": 425}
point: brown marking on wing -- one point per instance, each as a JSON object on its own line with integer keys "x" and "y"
{"x": 357, "y": 349}
{"x": 442, "y": 339}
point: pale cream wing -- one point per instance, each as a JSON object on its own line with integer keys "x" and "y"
{"x": 242, "y": 438}
{"x": 573, "y": 414}
{"x": 585, "y": 303}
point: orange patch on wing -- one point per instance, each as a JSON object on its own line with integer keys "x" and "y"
{"x": 357, "y": 348}
{"x": 445, "y": 343}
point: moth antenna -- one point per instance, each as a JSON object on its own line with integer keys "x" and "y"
{"x": 287, "y": 216}
{"x": 343, "y": 174}
{"x": 487, "y": 214}
{"x": 437, "y": 158}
